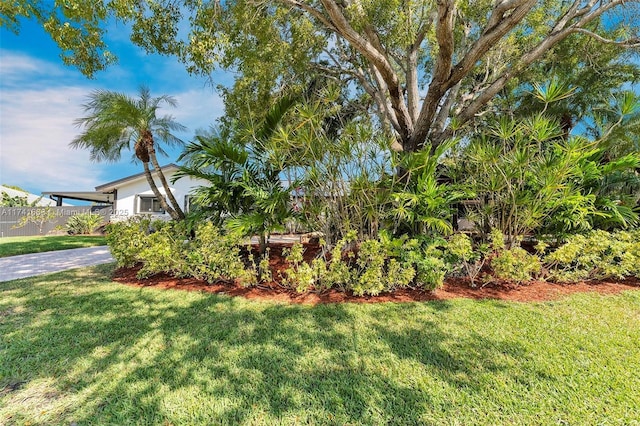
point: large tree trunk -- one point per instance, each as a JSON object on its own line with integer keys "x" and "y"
{"x": 149, "y": 143}
{"x": 418, "y": 126}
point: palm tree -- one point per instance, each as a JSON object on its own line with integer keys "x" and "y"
{"x": 245, "y": 191}
{"x": 117, "y": 122}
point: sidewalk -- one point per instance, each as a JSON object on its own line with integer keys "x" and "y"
{"x": 29, "y": 265}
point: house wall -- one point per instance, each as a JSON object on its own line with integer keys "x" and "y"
{"x": 127, "y": 203}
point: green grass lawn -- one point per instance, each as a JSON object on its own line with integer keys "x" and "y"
{"x": 12, "y": 246}
{"x": 75, "y": 347}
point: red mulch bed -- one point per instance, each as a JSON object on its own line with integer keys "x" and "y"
{"x": 453, "y": 288}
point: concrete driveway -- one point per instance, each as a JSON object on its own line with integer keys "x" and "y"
{"x": 29, "y": 265}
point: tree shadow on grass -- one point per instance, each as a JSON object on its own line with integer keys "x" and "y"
{"x": 128, "y": 355}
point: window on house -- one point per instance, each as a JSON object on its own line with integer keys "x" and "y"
{"x": 150, "y": 205}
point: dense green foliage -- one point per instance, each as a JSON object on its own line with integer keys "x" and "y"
{"x": 370, "y": 266}
{"x": 245, "y": 190}
{"x": 384, "y": 215}
{"x": 168, "y": 247}
{"x": 513, "y": 263}
{"x": 599, "y": 255}
{"x": 528, "y": 178}
{"x": 419, "y": 203}
{"x": 376, "y": 126}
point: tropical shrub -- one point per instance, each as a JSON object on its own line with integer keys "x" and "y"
{"x": 340, "y": 175}
{"x": 169, "y": 247}
{"x": 339, "y": 273}
{"x": 264, "y": 271}
{"x": 214, "y": 255}
{"x": 374, "y": 266}
{"x": 321, "y": 274}
{"x": 127, "y": 239}
{"x": 513, "y": 263}
{"x": 84, "y": 223}
{"x": 371, "y": 261}
{"x": 419, "y": 204}
{"x": 425, "y": 255}
{"x": 243, "y": 170}
{"x": 596, "y": 255}
{"x": 299, "y": 275}
{"x": 337, "y": 163}
{"x": 615, "y": 184}
{"x": 526, "y": 178}
{"x": 463, "y": 259}
{"x": 163, "y": 252}
{"x": 245, "y": 193}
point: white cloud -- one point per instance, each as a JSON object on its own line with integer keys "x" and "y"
{"x": 37, "y": 126}
{"x": 39, "y": 103}
{"x": 15, "y": 66}
{"x": 197, "y": 109}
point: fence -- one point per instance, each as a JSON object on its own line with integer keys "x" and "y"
{"x": 43, "y": 220}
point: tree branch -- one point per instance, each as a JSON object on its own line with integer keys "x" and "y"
{"x": 559, "y": 32}
{"x": 413, "y": 93}
{"x": 497, "y": 27}
{"x": 441, "y": 118}
{"x": 629, "y": 43}
{"x": 311, "y": 11}
{"x": 378, "y": 60}
{"x": 378, "y": 92}
{"x": 384, "y": 102}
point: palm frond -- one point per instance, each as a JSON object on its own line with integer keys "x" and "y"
{"x": 114, "y": 121}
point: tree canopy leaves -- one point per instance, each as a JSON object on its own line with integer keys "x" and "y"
{"x": 417, "y": 64}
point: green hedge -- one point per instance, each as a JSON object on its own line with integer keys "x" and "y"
{"x": 372, "y": 266}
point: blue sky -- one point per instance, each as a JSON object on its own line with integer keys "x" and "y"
{"x": 40, "y": 98}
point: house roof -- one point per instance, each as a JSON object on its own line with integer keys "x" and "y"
{"x": 110, "y": 186}
{"x": 97, "y": 197}
{"x": 30, "y": 197}
{"x": 104, "y": 192}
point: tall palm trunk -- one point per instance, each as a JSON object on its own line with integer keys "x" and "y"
{"x": 154, "y": 188}
{"x": 262, "y": 243}
{"x": 148, "y": 138}
{"x": 142, "y": 153}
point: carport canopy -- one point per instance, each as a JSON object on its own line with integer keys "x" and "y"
{"x": 93, "y": 196}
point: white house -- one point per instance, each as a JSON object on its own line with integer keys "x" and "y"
{"x": 132, "y": 195}
{"x": 38, "y": 201}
